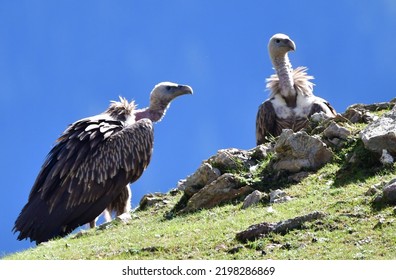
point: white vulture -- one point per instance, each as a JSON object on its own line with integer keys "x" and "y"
{"x": 91, "y": 165}
{"x": 291, "y": 101}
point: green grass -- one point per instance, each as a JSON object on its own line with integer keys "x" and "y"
{"x": 353, "y": 228}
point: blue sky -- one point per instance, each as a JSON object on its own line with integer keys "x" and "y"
{"x": 65, "y": 60}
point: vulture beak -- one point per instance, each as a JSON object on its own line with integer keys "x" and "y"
{"x": 183, "y": 89}
{"x": 291, "y": 44}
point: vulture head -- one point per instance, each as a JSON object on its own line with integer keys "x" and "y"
{"x": 162, "y": 95}
{"x": 279, "y": 45}
{"x": 165, "y": 92}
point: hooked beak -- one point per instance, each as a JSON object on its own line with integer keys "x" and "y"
{"x": 291, "y": 44}
{"x": 183, "y": 89}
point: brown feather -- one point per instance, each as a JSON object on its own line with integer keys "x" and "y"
{"x": 82, "y": 175}
{"x": 91, "y": 164}
{"x": 268, "y": 123}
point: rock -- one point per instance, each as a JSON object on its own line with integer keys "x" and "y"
{"x": 260, "y": 152}
{"x": 235, "y": 159}
{"x": 224, "y": 189}
{"x": 229, "y": 159}
{"x": 319, "y": 117}
{"x": 389, "y": 193}
{"x": 386, "y": 158}
{"x": 260, "y": 230}
{"x": 278, "y": 196}
{"x": 149, "y": 200}
{"x": 204, "y": 175}
{"x": 213, "y": 182}
{"x": 374, "y": 107}
{"x": 359, "y": 115}
{"x": 353, "y": 115}
{"x": 252, "y": 199}
{"x": 298, "y": 150}
{"x": 124, "y": 218}
{"x": 381, "y": 134}
{"x": 336, "y": 131}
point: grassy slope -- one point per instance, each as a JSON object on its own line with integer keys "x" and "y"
{"x": 353, "y": 229}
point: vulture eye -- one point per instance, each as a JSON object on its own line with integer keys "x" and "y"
{"x": 277, "y": 41}
{"x": 168, "y": 87}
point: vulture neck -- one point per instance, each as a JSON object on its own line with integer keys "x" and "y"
{"x": 155, "y": 112}
{"x": 284, "y": 71}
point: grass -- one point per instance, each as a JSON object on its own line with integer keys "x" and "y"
{"x": 353, "y": 228}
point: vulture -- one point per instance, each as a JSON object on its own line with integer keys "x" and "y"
{"x": 91, "y": 165}
{"x": 291, "y": 101}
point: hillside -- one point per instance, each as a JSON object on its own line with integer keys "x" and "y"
{"x": 343, "y": 184}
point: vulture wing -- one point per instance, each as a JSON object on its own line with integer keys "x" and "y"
{"x": 265, "y": 122}
{"x": 92, "y": 162}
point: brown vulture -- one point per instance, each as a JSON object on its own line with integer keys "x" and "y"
{"x": 91, "y": 164}
{"x": 291, "y": 101}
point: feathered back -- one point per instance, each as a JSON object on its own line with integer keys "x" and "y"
{"x": 301, "y": 79}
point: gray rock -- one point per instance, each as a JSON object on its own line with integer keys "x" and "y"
{"x": 386, "y": 158}
{"x": 374, "y": 107}
{"x": 359, "y": 114}
{"x": 212, "y": 183}
{"x": 389, "y": 193}
{"x": 205, "y": 174}
{"x": 279, "y": 196}
{"x": 224, "y": 189}
{"x": 319, "y": 117}
{"x": 153, "y": 199}
{"x": 353, "y": 115}
{"x": 252, "y": 199}
{"x": 260, "y": 152}
{"x": 336, "y": 131}
{"x": 295, "y": 151}
{"x": 261, "y": 230}
{"x": 124, "y": 218}
{"x": 229, "y": 159}
{"x": 235, "y": 159}
{"x": 381, "y": 134}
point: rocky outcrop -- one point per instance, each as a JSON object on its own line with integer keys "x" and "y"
{"x": 297, "y": 151}
{"x": 380, "y": 135}
{"x": 235, "y": 174}
{"x": 215, "y": 182}
{"x": 363, "y": 113}
{"x": 226, "y": 188}
{"x": 157, "y": 200}
{"x": 203, "y": 176}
